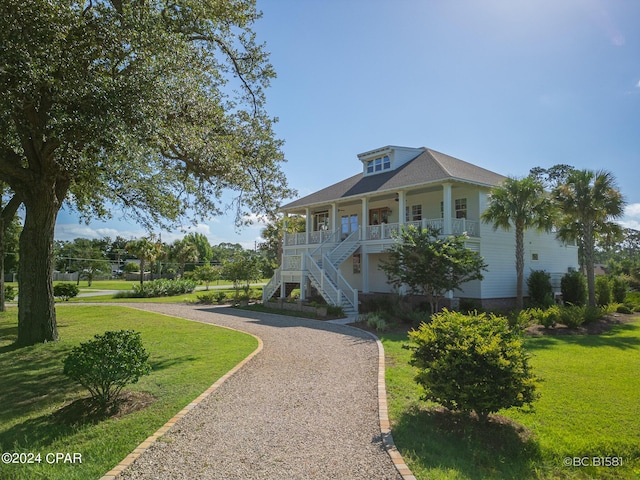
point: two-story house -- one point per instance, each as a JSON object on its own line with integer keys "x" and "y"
{"x": 350, "y": 224}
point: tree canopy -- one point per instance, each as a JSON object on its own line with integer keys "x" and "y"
{"x": 520, "y": 204}
{"x": 589, "y": 201}
{"x": 155, "y": 106}
{"x": 431, "y": 264}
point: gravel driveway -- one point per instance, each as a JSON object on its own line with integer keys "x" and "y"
{"x": 305, "y": 407}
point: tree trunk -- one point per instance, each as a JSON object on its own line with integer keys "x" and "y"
{"x": 36, "y": 303}
{"x": 2, "y": 247}
{"x": 589, "y": 255}
{"x": 6, "y": 217}
{"x": 519, "y": 266}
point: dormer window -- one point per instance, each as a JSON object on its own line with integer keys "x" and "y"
{"x": 379, "y": 164}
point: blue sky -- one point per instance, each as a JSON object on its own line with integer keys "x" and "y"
{"x": 506, "y": 85}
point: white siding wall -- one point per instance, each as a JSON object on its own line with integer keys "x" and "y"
{"x": 354, "y": 279}
{"x": 553, "y": 256}
{"x": 400, "y": 156}
{"x": 498, "y": 249}
{"x": 377, "y": 278}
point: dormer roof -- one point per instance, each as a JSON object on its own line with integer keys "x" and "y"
{"x": 427, "y": 167}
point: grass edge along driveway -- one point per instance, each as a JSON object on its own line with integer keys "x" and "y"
{"x": 187, "y": 358}
{"x": 587, "y": 415}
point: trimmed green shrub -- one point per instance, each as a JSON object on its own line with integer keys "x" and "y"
{"x": 108, "y": 363}
{"x": 547, "y": 317}
{"x": 521, "y": 319}
{"x": 417, "y": 317}
{"x": 618, "y": 289}
{"x": 9, "y": 293}
{"x": 574, "y": 288}
{"x": 572, "y": 315}
{"x": 212, "y": 298}
{"x": 65, "y": 291}
{"x": 540, "y": 289}
{"x": 624, "y": 309}
{"x": 160, "y": 288}
{"x": 378, "y": 322}
{"x": 472, "y": 363}
{"x": 603, "y": 290}
{"x": 335, "y": 311}
{"x": 375, "y": 320}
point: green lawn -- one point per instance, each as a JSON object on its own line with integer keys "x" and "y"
{"x": 186, "y": 357}
{"x": 588, "y": 408}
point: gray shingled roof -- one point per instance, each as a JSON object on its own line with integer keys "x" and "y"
{"x": 428, "y": 167}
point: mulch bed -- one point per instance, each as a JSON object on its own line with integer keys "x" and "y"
{"x": 83, "y": 410}
{"x": 598, "y": 327}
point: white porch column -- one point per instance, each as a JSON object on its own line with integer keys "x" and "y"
{"x": 364, "y": 268}
{"x": 446, "y": 214}
{"x": 334, "y": 217}
{"x": 365, "y": 218}
{"x": 303, "y": 278}
{"x": 402, "y": 207}
{"x": 308, "y": 225}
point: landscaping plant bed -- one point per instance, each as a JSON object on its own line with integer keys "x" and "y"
{"x": 598, "y": 327}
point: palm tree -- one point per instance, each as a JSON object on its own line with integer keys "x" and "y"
{"x": 521, "y": 204}
{"x": 589, "y": 200}
{"x": 146, "y": 251}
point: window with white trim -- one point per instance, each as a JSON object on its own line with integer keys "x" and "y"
{"x": 461, "y": 208}
{"x": 413, "y": 213}
{"x": 320, "y": 221}
{"x": 379, "y": 164}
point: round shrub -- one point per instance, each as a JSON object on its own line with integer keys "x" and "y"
{"x": 624, "y": 309}
{"x": 131, "y": 267}
{"x": 108, "y": 363}
{"x": 574, "y": 288}
{"x": 9, "y": 293}
{"x": 472, "y": 363}
{"x": 540, "y": 289}
{"x": 65, "y": 291}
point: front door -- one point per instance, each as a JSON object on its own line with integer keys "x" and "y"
{"x": 378, "y": 216}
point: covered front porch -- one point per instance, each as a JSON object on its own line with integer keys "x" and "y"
{"x": 452, "y": 208}
{"x": 383, "y": 231}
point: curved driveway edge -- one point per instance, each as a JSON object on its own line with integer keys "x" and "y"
{"x": 140, "y": 449}
{"x": 385, "y": 424}
{"x": 312, "y": 405}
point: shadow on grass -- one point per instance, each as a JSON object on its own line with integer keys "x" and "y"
{"x": 157, "y": 365}
{"x": 439, "y": 440}
{"x": 45, "y": 429}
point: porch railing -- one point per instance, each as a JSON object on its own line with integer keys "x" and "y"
{"x": 315, "y": 238}
{"x": 350, "y": 293}
{"x": 291, "y": 263}
{"x": 270, "y": 288}
{"x": 458, "y": 226}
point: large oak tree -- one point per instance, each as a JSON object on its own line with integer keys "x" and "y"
{"x": 156, "y": 106}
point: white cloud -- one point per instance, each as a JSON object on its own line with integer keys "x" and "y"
{"x": 638, "y": 84}
{"x": 631, "y": 218}
{"x": 70, "y": 231}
